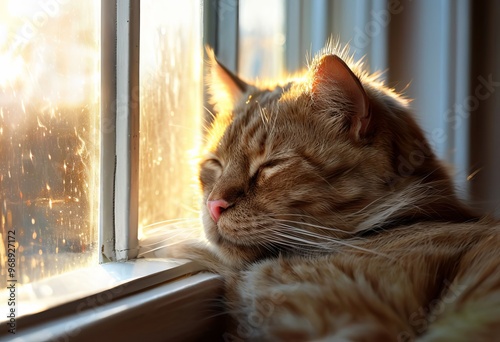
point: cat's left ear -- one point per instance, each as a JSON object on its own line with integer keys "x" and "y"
{"x": 224, "y": 87}
{"x": 332, "y": 77}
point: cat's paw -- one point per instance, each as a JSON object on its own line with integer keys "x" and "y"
{"x": 197, "y": 251}
{"x": 192, "y": 250}
{"x": 186, "y": 250}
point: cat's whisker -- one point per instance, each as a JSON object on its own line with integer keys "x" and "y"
{"x": 305, "y": 232}
{"x": 170, "y": 237}
{"x": 170, "y": 221}
{"x": 289, "y": 230}
{"x": 168, "y": 231}
{"x": 302, "y": 243}
{"x": 209, "y": 112}
{"x": 331, "y": 242}
{"x": 162, "y": 234}
{"x": 151, "y": 250}
{"x": 273, "y": 113}
{"x": 315, "y": 226}
{"x": 146, "y": 247}
{"x": 385, "y": 208}
{"x": 263, "y": 115}
{"x": 308, "y": 217}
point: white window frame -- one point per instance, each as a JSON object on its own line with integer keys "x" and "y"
{"x": 95, "y": 302}
{"x": 118, "y": 236}
{"x": 120, "y": 110}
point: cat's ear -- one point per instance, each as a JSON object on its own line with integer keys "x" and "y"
{"x": 333, "y": 78}
{"x": 224, "y": 87}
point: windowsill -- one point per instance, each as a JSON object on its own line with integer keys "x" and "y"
{"x": 103, "y": 298}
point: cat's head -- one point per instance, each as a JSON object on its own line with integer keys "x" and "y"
{"x": 298, "y": 166}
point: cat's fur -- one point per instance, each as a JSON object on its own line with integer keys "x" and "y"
{"x": 342, "y": 224}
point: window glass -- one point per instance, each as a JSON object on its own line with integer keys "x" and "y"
{"x": 261, "y": 38}
{"x": 49, "y": 133}
{"x": 171, "y": 112}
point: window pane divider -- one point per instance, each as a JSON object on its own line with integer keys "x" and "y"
{"x": 119, "y": 189}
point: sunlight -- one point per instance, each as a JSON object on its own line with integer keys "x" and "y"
{"x": 171, "y": 112}
{"x": 17, "y": 8}
{"x": 32, "y": 57}
{"x": 11, "y": 68}
{"x": 49, "y": 129}
{"x": 262, "y": 37}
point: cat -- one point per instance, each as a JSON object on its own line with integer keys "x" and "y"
{"x": 331, "y": 219}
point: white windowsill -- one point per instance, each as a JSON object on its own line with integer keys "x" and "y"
{"x": 162, "y": 299}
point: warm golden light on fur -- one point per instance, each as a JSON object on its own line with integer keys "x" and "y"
{"x": 331, "y": 218}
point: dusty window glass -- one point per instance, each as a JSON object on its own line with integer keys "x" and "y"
{"x": 49, "y": 133}
{"x": 170, "y": 114}
{"x": 262, "y": 38}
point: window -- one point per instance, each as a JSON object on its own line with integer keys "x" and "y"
{"x": 101, "y": 115}
{"x": 76, "y": 79}
{"x": 263, "y": 40}
{"x": 170, "y": 121}
{"x": 49, "y": 137}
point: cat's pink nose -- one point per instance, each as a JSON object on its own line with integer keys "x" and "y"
{"x": 216, "y": 207}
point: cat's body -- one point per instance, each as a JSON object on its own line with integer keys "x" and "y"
{"x": 441, "y": 285}
{"x": 331, "y": 219}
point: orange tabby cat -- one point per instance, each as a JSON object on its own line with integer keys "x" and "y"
{"x": 331, "y": 219}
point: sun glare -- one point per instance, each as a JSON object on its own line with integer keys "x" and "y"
{"x": 49, "y": 128}
{"x": 171, "y": 112}
{"x": 10, "y": 69}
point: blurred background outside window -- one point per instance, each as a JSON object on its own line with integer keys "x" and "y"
{"x": 49, "y": 135}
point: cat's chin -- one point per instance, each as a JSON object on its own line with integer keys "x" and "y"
{"x": 220, "y": 236}
{"x": 239, "y": 254}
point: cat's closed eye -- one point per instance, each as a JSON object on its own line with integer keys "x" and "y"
{"x": 210, "y": 171}
{"x": 269, "y": 168}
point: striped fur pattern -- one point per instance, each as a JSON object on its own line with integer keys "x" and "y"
{"x": 340, "y": 224}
